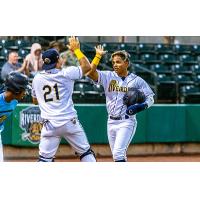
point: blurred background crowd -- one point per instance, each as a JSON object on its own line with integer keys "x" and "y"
{"x": 170, "y": 64}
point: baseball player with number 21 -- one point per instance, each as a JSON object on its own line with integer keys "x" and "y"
{"x": 52, "y": 89}
{"x": 126, "y": 95}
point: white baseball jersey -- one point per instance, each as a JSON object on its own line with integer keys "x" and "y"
{"x": 53, "y": 90}
{"x": 115, "y": 88}
{"x": 121, "y": 132}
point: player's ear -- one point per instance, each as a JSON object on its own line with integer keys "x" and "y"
{"x": 126, "y": 64}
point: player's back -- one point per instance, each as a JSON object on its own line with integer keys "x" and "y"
{"x": 53, "y": 90}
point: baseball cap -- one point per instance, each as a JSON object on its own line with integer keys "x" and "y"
{"x": 50, "y": 58}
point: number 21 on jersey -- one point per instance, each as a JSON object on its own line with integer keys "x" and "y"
{"x": 48, "y": 90}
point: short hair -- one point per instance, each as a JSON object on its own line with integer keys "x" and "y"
{"x": 12, "y": 52}
{"x": 55, "y": 44}
{"x": 123, "y": 54}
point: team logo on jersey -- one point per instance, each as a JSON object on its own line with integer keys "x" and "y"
{"x": 114, "y": 86}
{"x": 30, "y": 123}
{"x": 2, "y": 118}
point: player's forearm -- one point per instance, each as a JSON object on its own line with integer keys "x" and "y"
{"x": 84, "y": 62}
{"x": 93, "y": 69}
{"x": 149, "y": 101}
{"x": 93, "y": 72}
{"x": 85, "y": 65}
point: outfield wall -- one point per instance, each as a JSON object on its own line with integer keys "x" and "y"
{"x": 160, "y": 124}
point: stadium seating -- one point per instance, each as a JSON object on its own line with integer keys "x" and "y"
{"x": 196, "y": 69}
{"x": 135, "y": 58}
{"x": 173, "y": 71}
{"x": 101, "y": 94}
{"x": 8, "y": 44}
{"x": 1, "y": 63}
{"x": 23, "y": 44}
{"x": 183, "y": 69}
{"x": 184, "y": 79}
{"x": 149, "y": 58}
{"x": 139, "y": 68}
{"x": 182, "y": 49}
{"x": 111, "y": 47}
{"x": 197, "y": 79}
{"x": 166, "y": 79}
{"x": 168, "y": 58}
{"x": 128, "y": 47}
{"x": 85, "y": 92}
{"x": 166, "y": 88}
{"x": 186, "y": 58}
{"x": 3, "y": 54}
{"x": 175, "y": 65}
{"x": 146, "y": 48}
{"x": 190, "y": 94}
{"x": 161, "y": 48}
{"x": 143, "y": 70}
{"x": 195, "y": 49}
{"x": 22, "y": 53}
{"x": 162, "y": 69}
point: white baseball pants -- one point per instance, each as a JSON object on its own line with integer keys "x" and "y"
{"x": 120, "y": 133}
{"x": 72, "y": 131}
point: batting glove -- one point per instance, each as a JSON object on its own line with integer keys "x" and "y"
{"x": 136, "y": 108}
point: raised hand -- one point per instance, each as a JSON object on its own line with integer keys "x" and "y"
{"x": 100, "y": 50}
{"x": 73, "y": 43}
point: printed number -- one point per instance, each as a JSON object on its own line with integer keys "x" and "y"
{"x": 56, "y": 90}
{"x": 48, "y": 90}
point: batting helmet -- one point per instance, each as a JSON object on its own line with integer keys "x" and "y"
{"x": 133, "y": 96}
{"x": 16, "y": 82}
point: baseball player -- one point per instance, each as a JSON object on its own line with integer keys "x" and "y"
{"x": 122, "y": 122}
{"x": 52, "y": 89}
{"x": 14, "y": 89}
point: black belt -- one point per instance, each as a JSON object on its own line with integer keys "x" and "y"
{"x": 119, "y": 118}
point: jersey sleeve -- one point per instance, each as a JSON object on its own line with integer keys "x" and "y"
{"x": 73, "y": 72}
{"x": 102, "y": 78}
{"x": 33, "y": 94}
{"x": 144, "y": 87}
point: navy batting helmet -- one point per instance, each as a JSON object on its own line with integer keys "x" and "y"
{"x": 16, "y": 82}
{"x": 133, "y": 96}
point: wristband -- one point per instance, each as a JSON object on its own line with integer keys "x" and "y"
{"x": 78, "y": 54}
{"x": 96, "y": 59}
{"x": 132, "y": 110}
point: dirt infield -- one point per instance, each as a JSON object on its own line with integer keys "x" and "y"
{"x": 166, "y": 158}
{"x": 178, "y": 152}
